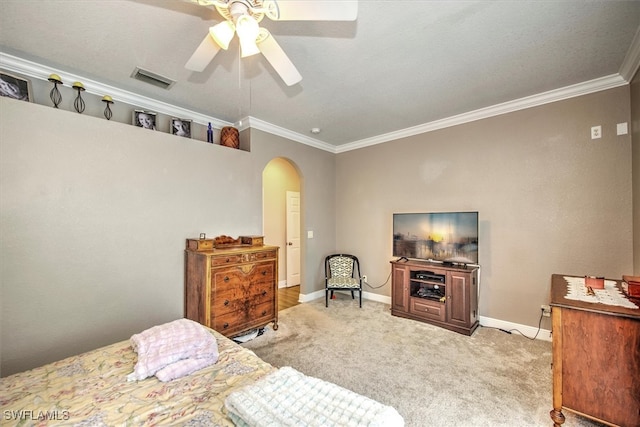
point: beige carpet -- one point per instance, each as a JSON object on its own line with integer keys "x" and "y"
{"x": 432, "y": 376}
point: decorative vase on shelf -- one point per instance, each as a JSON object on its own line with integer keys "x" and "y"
{"x": 230, "y": 137}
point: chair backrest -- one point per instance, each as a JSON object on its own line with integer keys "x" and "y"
{"x": 341, "y": 266}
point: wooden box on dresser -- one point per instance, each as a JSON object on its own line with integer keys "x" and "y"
{"x": 232, "y": 290}
{"x": 445, "y": 296}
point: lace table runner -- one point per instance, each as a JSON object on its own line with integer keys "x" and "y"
{"x": 610, "y": 295}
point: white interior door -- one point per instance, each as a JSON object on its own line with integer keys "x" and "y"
{"x": 293, "y": 238}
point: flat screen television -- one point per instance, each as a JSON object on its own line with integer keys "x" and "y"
{"x": 448, "y": 237}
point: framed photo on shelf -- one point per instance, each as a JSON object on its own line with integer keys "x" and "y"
{"x": 144, "y": 119}
{"x": 15, "y": 87}
{"x": 181, "y": 127}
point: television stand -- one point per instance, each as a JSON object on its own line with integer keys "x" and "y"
{"x": 443, "y": 295}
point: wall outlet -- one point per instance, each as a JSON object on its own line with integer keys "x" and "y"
{"x": 364, "y": 277}
{"x": 596, "y": 132}
{"x": 546, "y": 310}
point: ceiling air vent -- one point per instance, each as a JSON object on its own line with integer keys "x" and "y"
{"x": 152, "y": 78}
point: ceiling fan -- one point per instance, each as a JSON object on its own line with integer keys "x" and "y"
{"x": 242, "y": 17}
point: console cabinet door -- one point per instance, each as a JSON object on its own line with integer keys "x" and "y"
{"x": 400, "y": 289}
{"x": 458, "y": 298}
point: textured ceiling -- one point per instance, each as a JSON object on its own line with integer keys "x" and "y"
{"x": 401, "y": 64}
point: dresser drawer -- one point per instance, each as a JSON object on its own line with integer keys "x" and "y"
{"x": 264, "y": 255}
{"x": 428, "y": 309}
{"x": 243, "y": 319}
{"x": 218, "y": 260}
{"x": 247, "y": 274}
{"x": 238, "y": 298}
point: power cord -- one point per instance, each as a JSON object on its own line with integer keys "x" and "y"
{"x": 510, "y": 331}
{"x": 378, "y": 287}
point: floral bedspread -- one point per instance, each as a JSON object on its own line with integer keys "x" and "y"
{"x": 91, "y": 389}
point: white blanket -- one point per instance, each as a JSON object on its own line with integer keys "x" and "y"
{"x": 289, "y": 398}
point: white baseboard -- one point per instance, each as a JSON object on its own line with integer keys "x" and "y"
{"x": 528, "y": 331}
{"x": 376, "y": 297}
{"x": 365, "y": 295}
{"x": 310, "y": 297}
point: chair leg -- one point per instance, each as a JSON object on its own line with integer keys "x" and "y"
{"x": 352, "y": 296}
{"x": 360, "y": 292}
{"x": 326, "y": 297}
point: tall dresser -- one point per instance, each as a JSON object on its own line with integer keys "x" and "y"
{"x": 232, "y": 290}
{"x": 596, "y": 359}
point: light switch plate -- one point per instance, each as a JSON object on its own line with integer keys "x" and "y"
{"x": 622, "y": 128}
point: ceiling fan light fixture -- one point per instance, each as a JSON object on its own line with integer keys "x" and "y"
{"x": 248, "y": 48}
{"x": 247, "y": 29}
{"x": 222, "y": 34}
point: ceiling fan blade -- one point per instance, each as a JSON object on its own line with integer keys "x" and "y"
{"x": 277, "y": 58}
{"x": 203, "y": 55}
{"x": 292, "y": 10}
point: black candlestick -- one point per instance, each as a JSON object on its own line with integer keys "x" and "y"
{"x": 78, "y": 104}
{"x": 55, "y": 95}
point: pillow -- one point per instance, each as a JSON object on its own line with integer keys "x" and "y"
{"x": 163, "y": 345}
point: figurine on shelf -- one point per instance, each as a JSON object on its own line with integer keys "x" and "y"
{"x": 210, "y": 133}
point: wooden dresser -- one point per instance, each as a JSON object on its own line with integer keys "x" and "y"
{"x": 596, "y": 359}
{"x": 232, "y": 290}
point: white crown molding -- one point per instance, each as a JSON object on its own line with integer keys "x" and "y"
{"x": 628, "y": 69}
{"x": 567, "y": 92}
{"x": 38, "y": 71}
{"x": 254, "y": 123}
{"x": 631, "y": 62}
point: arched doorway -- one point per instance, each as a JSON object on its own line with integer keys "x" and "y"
{"x": 282, "y": 224}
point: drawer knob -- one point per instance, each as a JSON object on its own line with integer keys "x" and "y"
{"x": 226, "y": 325}
{"x": 264, "y": 293}
{"x": 264, "y": 272}
{"x": 228, "y": 260}
{"x": 226, "y": 278}
{"x": 264, "y": 312}
{"x": 226, "y": 302}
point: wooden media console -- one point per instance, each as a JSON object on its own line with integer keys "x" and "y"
{"x": 445, "y": 296}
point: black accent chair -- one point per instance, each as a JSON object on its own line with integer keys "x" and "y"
{"x": 342, "y": 273}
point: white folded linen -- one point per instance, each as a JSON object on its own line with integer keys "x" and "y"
{"x": 287, "y": 397}
{"x": 173, "y": 350}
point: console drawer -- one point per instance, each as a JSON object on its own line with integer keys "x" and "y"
{"x": 433, "y": 310}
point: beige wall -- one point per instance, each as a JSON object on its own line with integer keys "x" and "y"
{"x": 550, "y": 199}
{"x": 635, "y": 134}
{"x": 93, "y": 214}
{"x": 94, "y": 217}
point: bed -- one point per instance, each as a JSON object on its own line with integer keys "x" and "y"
{"x": 91, "y": 389}
{"x": 96, "y": 389}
